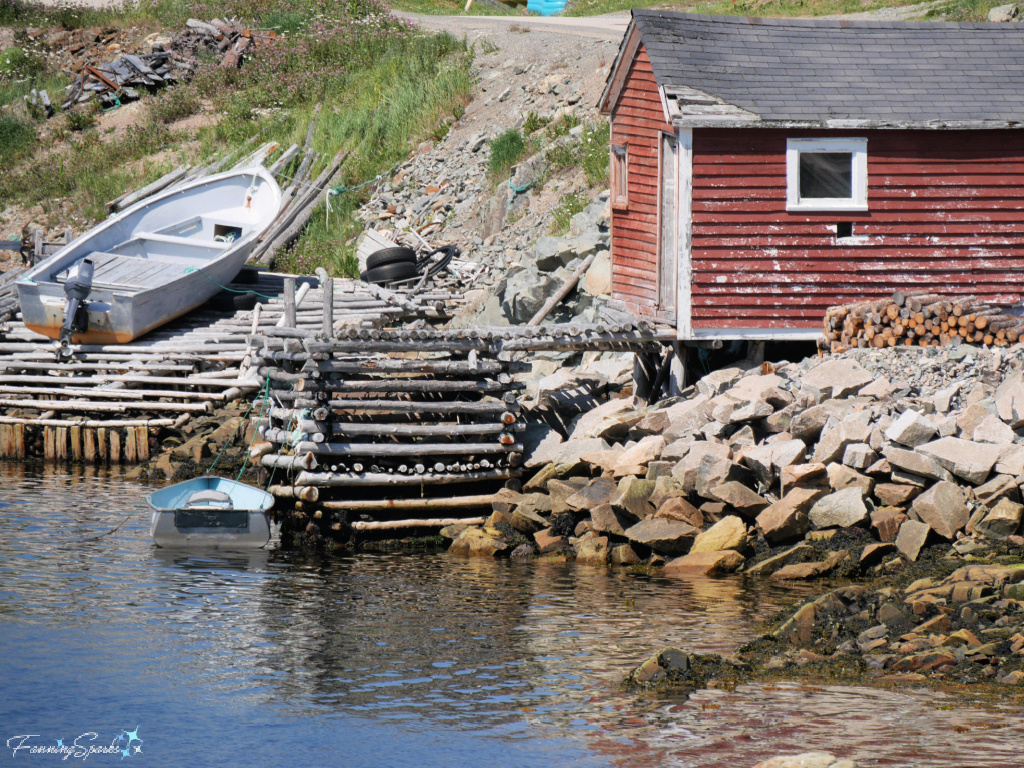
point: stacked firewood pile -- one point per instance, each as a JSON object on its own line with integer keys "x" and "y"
{"x": 922, "y": 320}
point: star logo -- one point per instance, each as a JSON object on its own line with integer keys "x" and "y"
{"x": 128, "y": 739}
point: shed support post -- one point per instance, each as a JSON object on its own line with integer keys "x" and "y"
{"x": 645, "y": 370}
{"x": 677, "y": 375}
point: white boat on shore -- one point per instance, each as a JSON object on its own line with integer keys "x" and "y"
{"x": 155, "y": 261}
{"x": 210, "y": 512}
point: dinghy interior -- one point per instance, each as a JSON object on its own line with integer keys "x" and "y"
{"x": 151, "y": 263}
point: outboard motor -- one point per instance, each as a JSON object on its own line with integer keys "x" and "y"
{"x": 76, "y": 311}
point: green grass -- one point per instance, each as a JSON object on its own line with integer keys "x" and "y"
{"x": 506, "y": 150}
{"x": 589, "y": 151}
{"x": 17, "y": 138}
{"x": 567, "y": 207}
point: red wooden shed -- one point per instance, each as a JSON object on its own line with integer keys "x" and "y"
{"x": 765, "y": 169}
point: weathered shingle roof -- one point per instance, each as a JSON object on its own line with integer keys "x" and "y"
{"x": 788, "y": 69}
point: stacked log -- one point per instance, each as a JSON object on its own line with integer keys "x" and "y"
{"x": 919, "y": 320}
{"x": 346, "y": 420}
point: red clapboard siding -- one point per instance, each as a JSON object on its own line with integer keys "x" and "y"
{"x": 944, "y": 214}
{"x": 637, "y": 120}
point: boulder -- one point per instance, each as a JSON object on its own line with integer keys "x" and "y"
{"x": 1009, "y": 399}
{"x": 687, "y": 417}
{"x": 1011, "y": 460}
{"x": 479, "y": 542}
{"x": 713, "y": 471}
{"x": 542, "y": 438}
{"x": 999, "y": 487}
{"x": 740, "y": 411}
{"x": 634, "y": 496}
{"x": 704, "y": 563}
{"x": 1003, "y": 13}
{"x": 799, "y": 628}
{"x": 549, "y": 542}
{"x": 873, "y": 554}
{"x": 837, "y": 377}
{"x": 966, "y": 459}
{"x": 666, "y": 537}
{"x": 911, "y": 429}
{"x": 594, "y": 494}
{"x": 739, "y": 497}
{"x": 859, "y": 456}
{"x": 886, "y": 523}
{"x": 665, "y": 488}
{"x": 594, "y": 551}
{"x": 911, "y": 539}
{"x": 834, "y": 442}
{"x": 552, "y": 252}
{"x": 915, "y": 463}
{"x": 598, "y": 280}
{"x": 527, "y": 520}
{"x": 943, "y": 508}
{"x": 525, "y": 293}
{"x": 679, "y": 509}
{"x": 840, "y": 477}
{"x": 813, "y": 569}
{"x": 566, "y": 453}
{"x": 805, "y": 475}
{"x": 640, "y": 455}
{"x": 895, "y": 494}
{"x": 801, "y": 553}
{"x": 623, "y": 554}
{"x": 842, "y": 509}
{"x": 559, "y": 492}
{"x": 728, "y": 533}
{"x": 685, "y": 472}
{"x": 787, "y": 518}
{"x": 993, "y": 430}
{"x": 611, "y": 419}
{"x": 717, "y": 382}
{"x": 1002, "y": 521}
{"x": 605, "y": 518}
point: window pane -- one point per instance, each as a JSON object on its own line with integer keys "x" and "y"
{"x": 826, "y": 175}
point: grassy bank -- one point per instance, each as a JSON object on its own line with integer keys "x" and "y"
{"x": 382, "y": 84}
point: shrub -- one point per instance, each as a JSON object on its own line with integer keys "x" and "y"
{"x": 80, "y": 119}
{"x": 169, "y": 107}
{"x": 506, "y": 150}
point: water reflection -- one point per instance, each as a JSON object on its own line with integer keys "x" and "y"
{"x": 410, "y": 656}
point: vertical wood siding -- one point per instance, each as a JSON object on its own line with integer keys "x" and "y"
{"x": 637, "y": 121}
{"x": 945, "y": 214}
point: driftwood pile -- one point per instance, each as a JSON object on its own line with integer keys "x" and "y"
{"x": 921, "y": 320}
{"x": 119, "y": 80}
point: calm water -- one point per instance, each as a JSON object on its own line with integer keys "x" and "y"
{"x": 280, "y": 658}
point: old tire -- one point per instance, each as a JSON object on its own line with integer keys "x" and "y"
{"x": 390, "y": 256}
{"x": 389, "y": 272}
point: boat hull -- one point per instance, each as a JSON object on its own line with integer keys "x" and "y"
{"x": 122, "y": 318}
{"x": 176, "y": 524}
{"x": 167, "y": 535}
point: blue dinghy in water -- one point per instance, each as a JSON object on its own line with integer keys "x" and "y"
{"x": 211, "y": 512}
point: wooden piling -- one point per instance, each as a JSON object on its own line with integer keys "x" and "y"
{"x": 327, "y": 326}
{"x": 115, "y": 447}
{"x": 89, "y": 437}
{"x": 130, "y": 454}
{"x": 101, "y": 445}
{"x": 142, "y": 443}
{"x": 289, "y": 302}
{"x": 76, "y": 444}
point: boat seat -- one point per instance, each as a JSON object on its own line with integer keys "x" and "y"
{"x": 119, "y": 272}
{"x": 209, "y": 497}
{"x": 175, "y": 240}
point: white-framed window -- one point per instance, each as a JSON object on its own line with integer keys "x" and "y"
{"x": 826, "y": 174}
{"x": 619, "y": 176}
